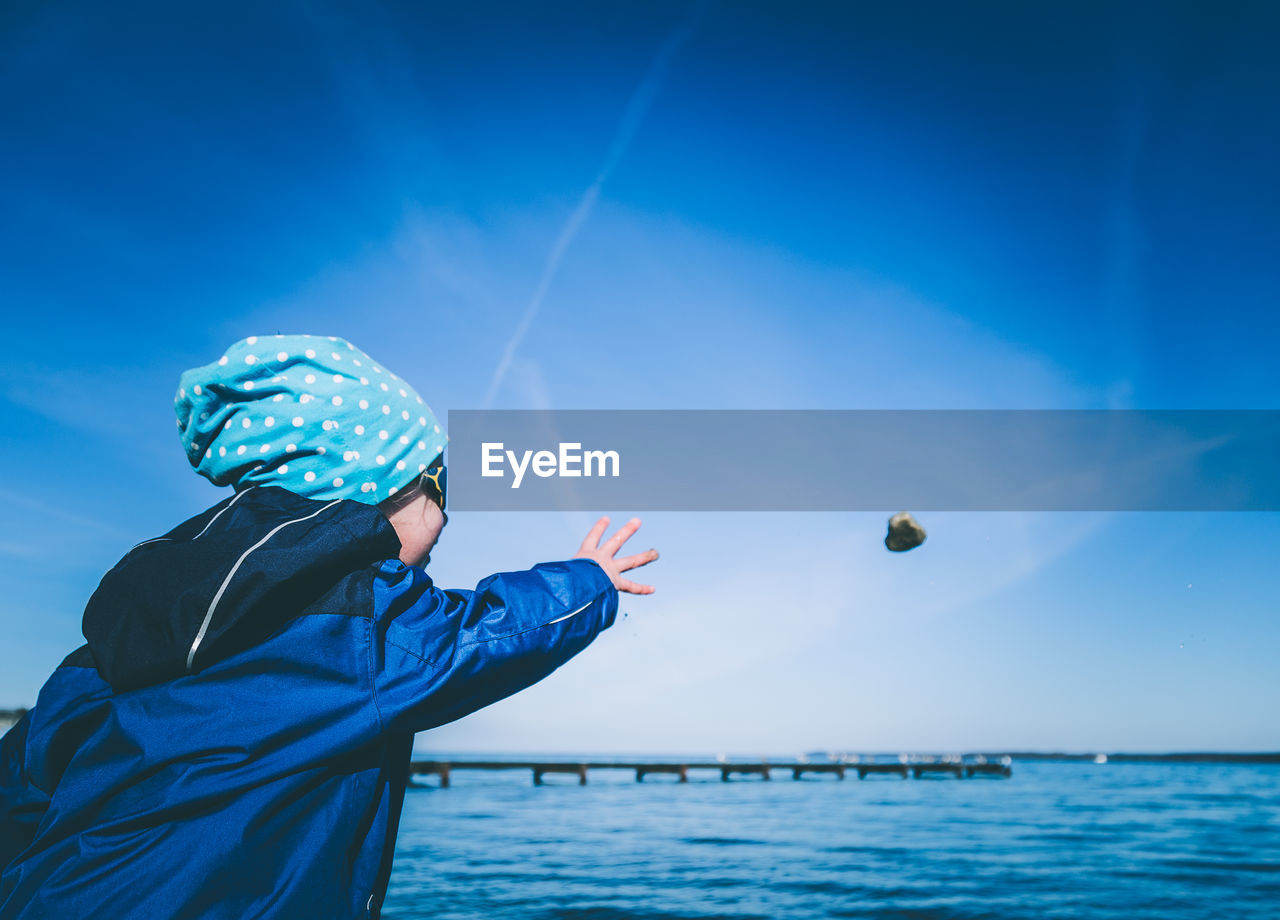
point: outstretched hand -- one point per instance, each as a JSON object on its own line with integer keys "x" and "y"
{"x": 605, "y": 553}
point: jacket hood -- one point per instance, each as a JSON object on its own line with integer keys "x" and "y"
{"x": 225, "y": 580}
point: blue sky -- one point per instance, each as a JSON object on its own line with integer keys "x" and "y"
{"x": 673, "y": 205}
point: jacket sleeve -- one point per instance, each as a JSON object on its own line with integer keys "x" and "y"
{"x": 438, "y": 655}
{"x": 22, "y": 805}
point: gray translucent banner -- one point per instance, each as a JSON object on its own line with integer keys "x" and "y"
{"x": 864, "y": 460}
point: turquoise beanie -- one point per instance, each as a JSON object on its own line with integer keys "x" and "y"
{"x": 313, "y": 414}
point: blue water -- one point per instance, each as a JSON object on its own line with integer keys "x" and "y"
{"x": 1055, "y": 840}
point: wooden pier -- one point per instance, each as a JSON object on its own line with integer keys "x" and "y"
{"x": 444, "y": 769}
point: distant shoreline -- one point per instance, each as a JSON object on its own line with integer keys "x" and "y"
{"x": 8, "y": 717}
{"x": 851, "y": 758}
{"x": 1178, "y": 757}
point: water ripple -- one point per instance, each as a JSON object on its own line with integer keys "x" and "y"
{"x": 1115, "y": 842}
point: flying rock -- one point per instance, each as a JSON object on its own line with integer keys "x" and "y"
{"x": 904, "y": 533}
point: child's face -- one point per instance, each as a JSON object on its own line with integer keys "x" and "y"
{"x": 417, "y": 522}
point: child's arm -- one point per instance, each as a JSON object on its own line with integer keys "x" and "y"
{"x": 438, "y": 655}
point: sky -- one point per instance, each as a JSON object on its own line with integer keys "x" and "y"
{"x": 680, "y": 205}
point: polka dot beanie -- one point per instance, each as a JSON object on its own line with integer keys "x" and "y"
{"x": 313, "y": 414}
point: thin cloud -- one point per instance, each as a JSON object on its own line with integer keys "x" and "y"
{"x": 48, "y": 510}
{"x": 632, "y": 116}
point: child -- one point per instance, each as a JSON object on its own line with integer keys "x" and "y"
{"x": 234, "y": 739}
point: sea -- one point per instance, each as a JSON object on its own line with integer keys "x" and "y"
{"x": 1172, "y": 841}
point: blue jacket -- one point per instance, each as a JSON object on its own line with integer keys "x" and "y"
{"x": 234, "y": 739}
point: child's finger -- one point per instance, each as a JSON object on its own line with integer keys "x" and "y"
{"x": 592, "y": 540}
{"x": 631, "y": 587}
{"x": 639, "y": 559}
{"x": 614, "y": 543}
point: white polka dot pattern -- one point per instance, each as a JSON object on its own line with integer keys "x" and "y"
{"x": 344, "y": 446}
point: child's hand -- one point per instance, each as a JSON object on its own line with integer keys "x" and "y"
{"x": 603, "y": 554}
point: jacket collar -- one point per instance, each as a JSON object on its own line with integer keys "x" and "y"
{"x": 225, "y": 580}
